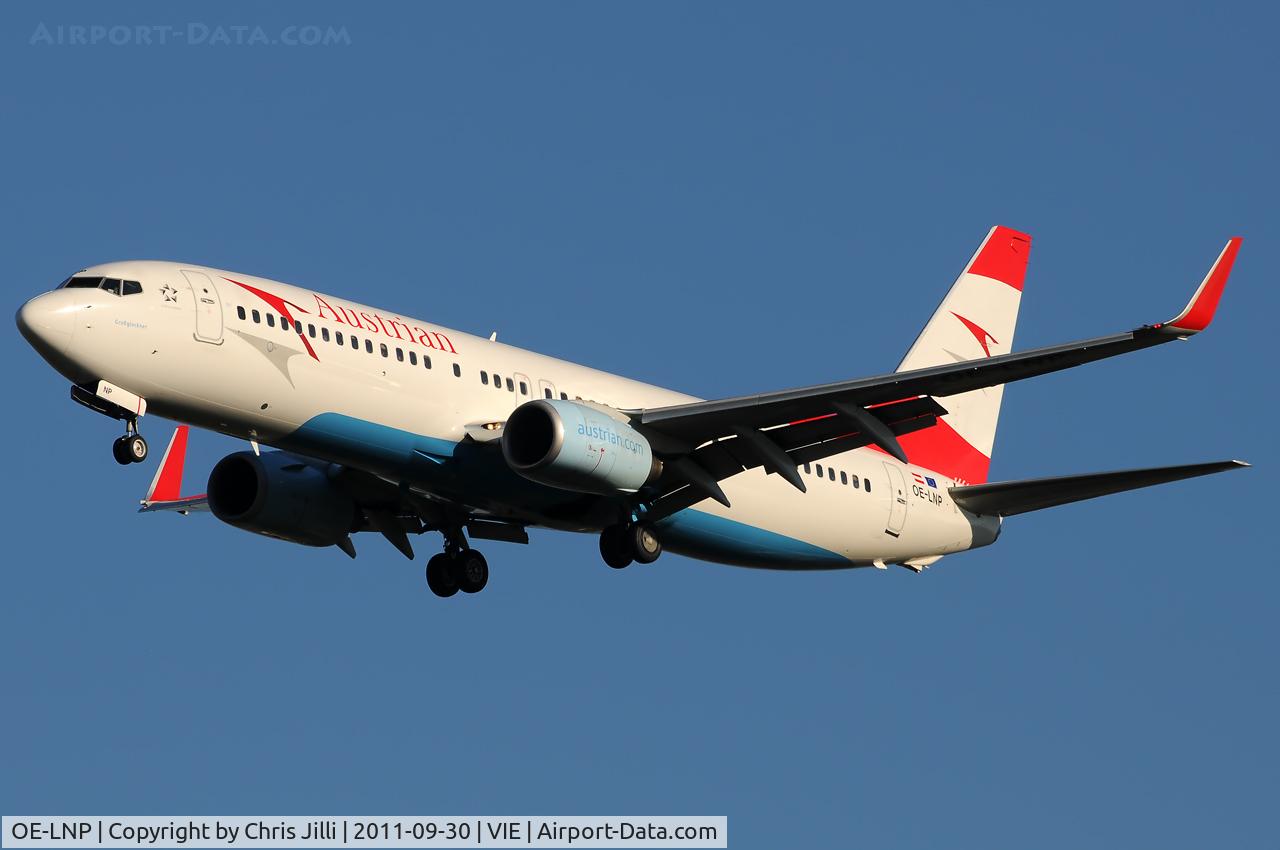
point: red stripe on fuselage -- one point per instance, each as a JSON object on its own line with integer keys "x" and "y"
{"x": 941, "y": 449}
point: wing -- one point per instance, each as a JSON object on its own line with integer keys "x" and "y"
{"x": 383, "y": 507}
{"x": 707, "y": 441}
{"x": 1007, "y": 498}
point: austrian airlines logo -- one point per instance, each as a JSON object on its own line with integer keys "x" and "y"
{"x": 281, "y": 306}
{"x": 373, "y": 324}
{"x": 978, "y": 333}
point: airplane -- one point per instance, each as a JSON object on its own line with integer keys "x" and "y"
{"x": 385, "y": 423}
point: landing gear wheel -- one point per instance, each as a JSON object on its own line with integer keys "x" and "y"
{"x": 614, "y": 548}
{"x": 472, "y": 571}
{"x": 137, "y": 448}
{"x": 440, "y": 576}
{"x": 120, "y": 451}
{"x": 644, "y": 543}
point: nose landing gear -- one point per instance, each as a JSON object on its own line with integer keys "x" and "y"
{"x": 626, "y": 542}
{"x": 131, "y": 448}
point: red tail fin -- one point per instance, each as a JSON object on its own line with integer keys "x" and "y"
{"x": 976, "y": 320}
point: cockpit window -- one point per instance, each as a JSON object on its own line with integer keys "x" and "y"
{"x": 82, "y": 282}
{"x": 108, "y": 284}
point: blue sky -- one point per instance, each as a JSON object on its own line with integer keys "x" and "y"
{"x": 720, "y": 198}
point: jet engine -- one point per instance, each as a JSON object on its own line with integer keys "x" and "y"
{"x": 575, "y": 447}
{"x": 278, "y": 495}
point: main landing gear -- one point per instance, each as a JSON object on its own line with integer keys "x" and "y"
{"x": 457, "y": 569}
{"x": 626, "y": 542}
{"x": 131, "y": 448}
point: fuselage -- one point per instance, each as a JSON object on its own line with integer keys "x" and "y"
{"x": 409, "y": 401}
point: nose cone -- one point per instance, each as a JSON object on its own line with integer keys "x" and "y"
{"x": 47, "y": 323}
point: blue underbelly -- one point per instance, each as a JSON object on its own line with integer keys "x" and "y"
{"x": 713, "y": 538}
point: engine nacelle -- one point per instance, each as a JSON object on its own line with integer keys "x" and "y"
{"x": 279, "y": 496}
{"x": 575, "y": 447}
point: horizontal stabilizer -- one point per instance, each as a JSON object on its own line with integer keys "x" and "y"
{"x": 1006, "y": 498}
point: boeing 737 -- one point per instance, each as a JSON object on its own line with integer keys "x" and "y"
{"x": 398, "y": 426}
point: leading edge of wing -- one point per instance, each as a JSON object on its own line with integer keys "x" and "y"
{"x": 774, "y": 408}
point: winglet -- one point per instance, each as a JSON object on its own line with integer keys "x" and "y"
{"x": 1200, "y": 309}
{"x": 167, "y": 485}
{"x": 165, "y": 492}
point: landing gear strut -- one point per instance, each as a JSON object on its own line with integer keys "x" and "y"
{"x": 458, "y": 567}
{"x": 131, "y": 448}
{"x": 626, "y": 542}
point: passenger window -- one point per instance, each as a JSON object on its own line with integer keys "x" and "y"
{"x": 484, "y": 377}
{"x": 844, "y": 477}
{"x": 855, "y": 481}
{"x": 257, "y": 317}
{"x": 284, "y": 323}
{"x": 564, "y": 396}
{"x": 297, "y": 326}
{"x": 382, "y": 346}
{"x": 413, "y": 358}
{"x": 510, "y": 386}
{"x": 131, "y": 287}
{"x": 524, "y": 388}
{"x": 426, "y": 361}
{"x": 546, "y": 391}
{"x": 818, "y": 467}
{"x": 324, "y": 334}
{"x": 368, "y": 346}
{"x": 457, "y": 371}
{"x": 831, "y": 473}
{"x": 400, "y": 354}
{"x": 311, "y": 330}
{"x": 337, "y": 337}
{"x": 807, "y": 470}
{"x": 240, "y": 313}
{"x": 355, "y": 341}
{"x": 866, "y": 484}
{"x": 271, "y": 320}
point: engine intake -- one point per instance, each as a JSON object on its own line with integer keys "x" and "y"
{"x": 279, "y": 496}
{"x": 575, "y": 447}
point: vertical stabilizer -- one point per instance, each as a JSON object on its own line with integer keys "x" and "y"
{"x": 976, "y": 320}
